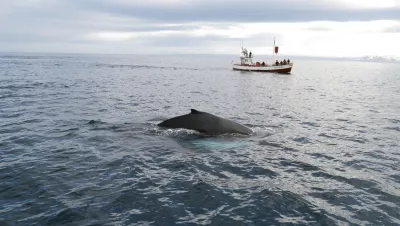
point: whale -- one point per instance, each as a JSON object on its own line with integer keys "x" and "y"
{"x": 205, "y": 123}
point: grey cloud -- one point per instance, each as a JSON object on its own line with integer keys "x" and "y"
{"x": 211, "y": 41}
{"x": 66, "y": 22}
{"x": 183, "y": 41}
{"x": 95, "y": 15}
{"x": 241, "y": 11}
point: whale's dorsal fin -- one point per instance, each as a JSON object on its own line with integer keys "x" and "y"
{"x": 194, "y": 111}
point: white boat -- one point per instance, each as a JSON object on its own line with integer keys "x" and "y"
{"x": 247, "y": 64}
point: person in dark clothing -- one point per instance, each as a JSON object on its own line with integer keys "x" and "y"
{"x": 263, "y": 64}
{"x": 276, "y": 63}
{"x": 250, "y": 54}
{"x": 284, "y": 61}
{"x": 281, "y": 63}
{"x": 288, "y": 61}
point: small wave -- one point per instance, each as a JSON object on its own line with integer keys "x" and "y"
{"x": 303, "y": 140}
{"x": 69, "y": 215}
{"x": 276, "y": 145}
{"x": 310, "y": 89}
{"x": 254, "y": 113}
{"x": 319, "y": 155}
{"x": 356, "y": 182}
{"x": 303, "y": 166}
{"x": 17, "y": 87}
{"x": 216, "y": 145}
{"x": 95, "y": 122}
{"x": 396, "y": 178}
{"x": 32, "y": 85}
{"x": 395, "y": 121}
{"x": 15, "y": 115}
{"x": 175, "y": 133}
{"x": 393, "y": 128}
{"x": 261, "y": 171}
{"x": 131, "y": 66}
{"x": 325, "y": 135}
{"x": 356, "y": 139}
{"x": 344, "y": 120}
{"x": 268, "y": 143}
{"x": 263, "y": 132}
{"x": 313, "y": 124}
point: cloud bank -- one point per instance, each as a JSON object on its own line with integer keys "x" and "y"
{"x": 305, "y": 27}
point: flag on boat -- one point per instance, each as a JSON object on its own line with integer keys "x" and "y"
{"x": 275, "y": 47}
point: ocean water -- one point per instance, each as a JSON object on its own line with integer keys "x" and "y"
{"x": 79, "y": 143}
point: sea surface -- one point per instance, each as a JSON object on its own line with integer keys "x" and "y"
{"x": 79, "y": 142}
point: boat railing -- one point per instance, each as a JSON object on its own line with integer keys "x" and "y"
{"x": 266, "y": 65}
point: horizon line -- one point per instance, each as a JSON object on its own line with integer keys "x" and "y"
{"x": 396, "y": 58}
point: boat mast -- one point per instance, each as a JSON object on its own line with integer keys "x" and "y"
{"x": 273, "y": 52}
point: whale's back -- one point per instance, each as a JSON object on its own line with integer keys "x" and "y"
{"x": 206, "y": 123}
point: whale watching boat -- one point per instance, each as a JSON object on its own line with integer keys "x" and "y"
{"x": 247, "y": 63}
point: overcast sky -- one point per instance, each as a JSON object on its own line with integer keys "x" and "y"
{"x": 301, "y": 27}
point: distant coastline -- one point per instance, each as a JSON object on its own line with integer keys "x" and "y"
{"x": 282, "y": 56}
{"x": 376, "y": 59}
{"x": 371, "y": 59}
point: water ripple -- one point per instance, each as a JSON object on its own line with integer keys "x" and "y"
{"x": 79, "y": 143}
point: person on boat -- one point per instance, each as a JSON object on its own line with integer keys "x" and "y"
{"x": 277, "y": 63}
{"x": 250, "y": 54}
{"x": 263, "y": 64}
{"x": 281, "y": 63}
{"x": 288, "y": 61}
{"x": 284, "y": 61}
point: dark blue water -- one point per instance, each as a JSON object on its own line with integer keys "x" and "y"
{"x": 79, "y": 143}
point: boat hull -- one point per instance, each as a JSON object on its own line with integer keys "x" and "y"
{"x": 273, "y": 69}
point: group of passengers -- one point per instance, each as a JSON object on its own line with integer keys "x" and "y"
{"x": 284, "y": 62}
{"x": 277, "y": 63}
